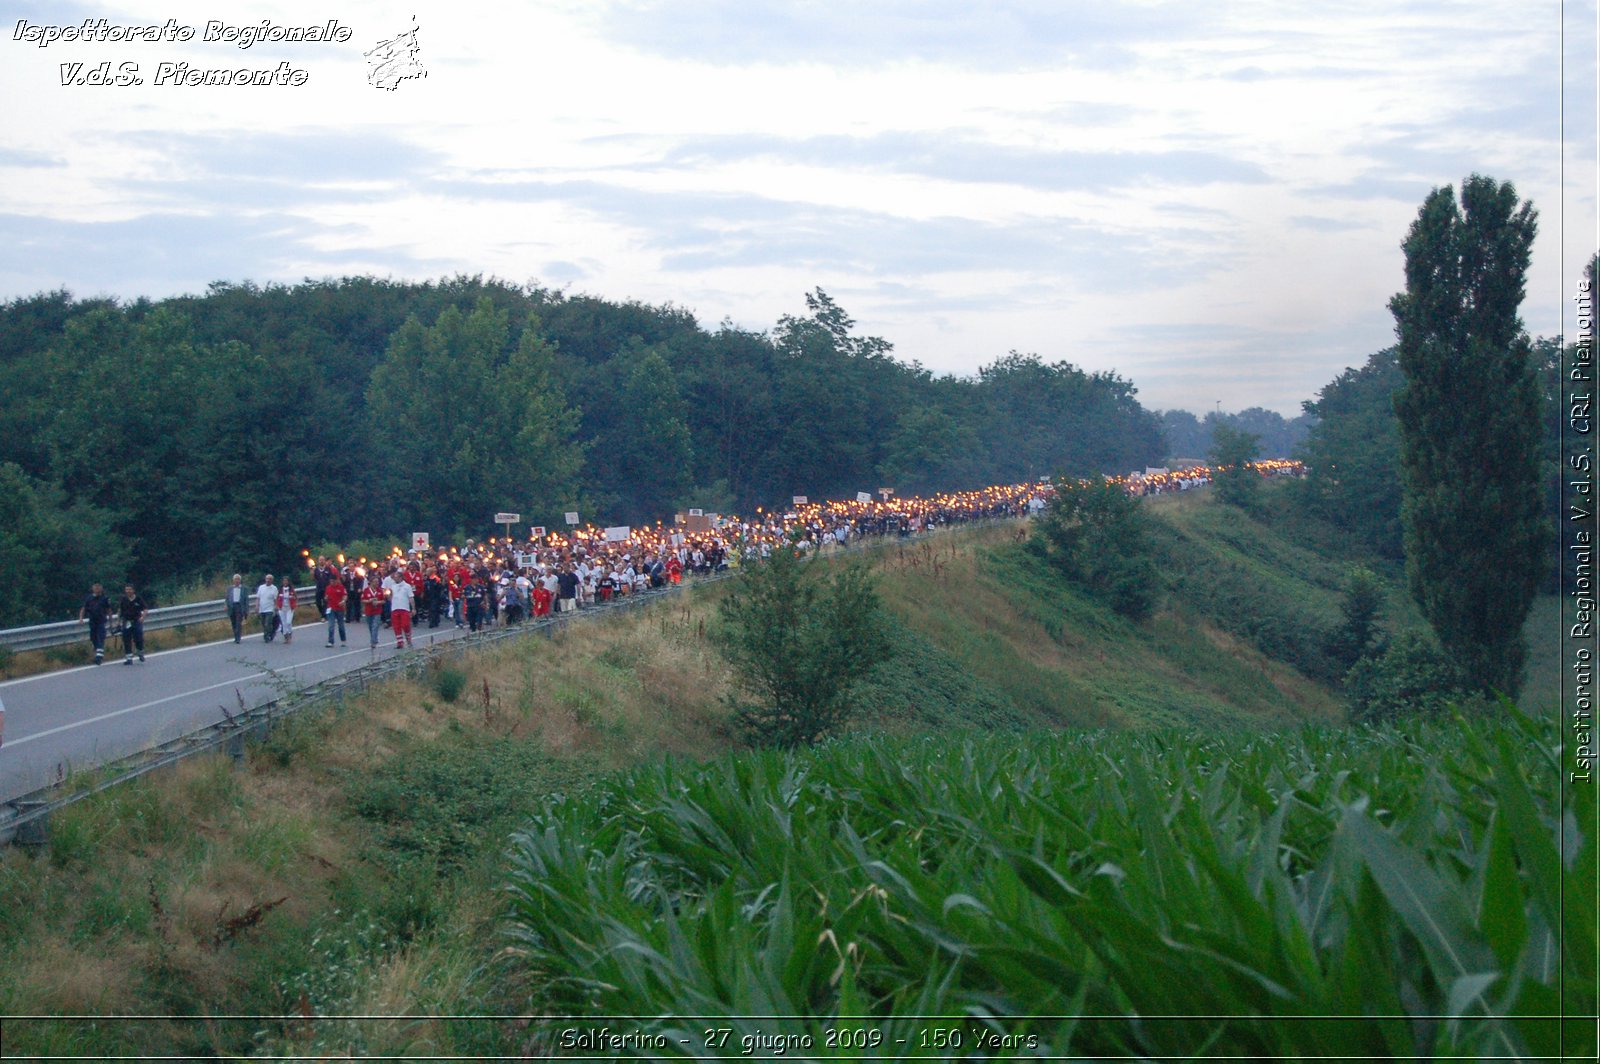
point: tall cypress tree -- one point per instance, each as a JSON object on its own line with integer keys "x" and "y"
{"x": 1469, "y": 427}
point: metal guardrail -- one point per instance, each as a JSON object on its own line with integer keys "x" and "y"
{"x": 23, "y": 819}
{"x": 62, "y": 633}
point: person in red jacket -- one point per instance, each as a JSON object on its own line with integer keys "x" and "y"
{"x": 372, "y": 605}
{"x": 414, "y": 576}
{"x": 541, "y": 599}
{"x": 334, "y": 599}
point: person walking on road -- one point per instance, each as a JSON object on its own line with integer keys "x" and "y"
{"x": 132, "y": 611}
{"x": 353, "y": 583}
{"x": 566, "y": 590}
{"x": 267, "y": 607}
{"x": 401, "y": 597}
{"x": 323, "y": 574}
{"x": 334, "y": 594}
{"x": 96, "y": 610}
{"x": 286, "y": 605}
{"x": 238, "y": 600}
{"x": 372, "y": 606}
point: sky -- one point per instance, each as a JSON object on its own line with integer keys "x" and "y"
{"x": 1205, "y": 198}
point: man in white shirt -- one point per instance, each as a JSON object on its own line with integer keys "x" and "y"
{"x": 267, "y": 606}
{"x": 400, "y": 596}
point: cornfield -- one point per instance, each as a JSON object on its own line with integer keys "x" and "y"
{"x": 1424, "y": 891}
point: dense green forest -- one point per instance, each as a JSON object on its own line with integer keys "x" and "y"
{"x": 203, "y": 434}
{"x": 1190, "y": 437}
{"x": 165, "y": 441}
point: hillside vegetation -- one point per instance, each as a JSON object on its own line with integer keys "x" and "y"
{"x": 355, "y": 865}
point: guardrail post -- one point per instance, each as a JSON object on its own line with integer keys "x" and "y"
{"x": 33, "y": 833}
{"x": 236, "y": 743}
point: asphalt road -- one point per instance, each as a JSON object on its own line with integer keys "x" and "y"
{"x": 61, "y": 722}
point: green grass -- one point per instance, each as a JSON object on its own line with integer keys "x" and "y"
{"x": 991, "y": 635}
{"x": 1000, "y": 886}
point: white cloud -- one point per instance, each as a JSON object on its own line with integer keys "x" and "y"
{"x": 1233, "y": 178}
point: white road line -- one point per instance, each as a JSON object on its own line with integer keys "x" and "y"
{"x": 10, "y": 743}
{"x": 112, "y": 655}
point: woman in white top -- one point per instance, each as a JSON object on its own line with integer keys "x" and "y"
{"x": 286, "y": 605}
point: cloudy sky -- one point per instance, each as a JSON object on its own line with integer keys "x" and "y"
{"x": 1207, "y": 198}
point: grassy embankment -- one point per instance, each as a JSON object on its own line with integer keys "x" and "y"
{"x": 355, "y": 864}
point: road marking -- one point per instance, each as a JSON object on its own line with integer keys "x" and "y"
{"x": 153, "y": 654}
{"x": 10, "y": 743}
{"x": 111, "y": 656}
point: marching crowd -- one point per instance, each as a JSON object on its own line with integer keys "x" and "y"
{"x": 510, "y": 581}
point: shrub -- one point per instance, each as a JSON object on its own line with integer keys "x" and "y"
{"x": 449, "y": 682}
{"x": 1407, "y": 677}
{"x": 801, "y": 645}
{"x": 1098, "y": 535}
{"x": 1232, "y": 451}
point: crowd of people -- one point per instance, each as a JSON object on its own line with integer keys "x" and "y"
{"x": 511, "y": 580}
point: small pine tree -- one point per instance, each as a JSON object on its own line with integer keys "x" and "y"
{"x": 1357, "y": 634}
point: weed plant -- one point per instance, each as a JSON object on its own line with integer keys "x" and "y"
{"x": 1308, "y": 894}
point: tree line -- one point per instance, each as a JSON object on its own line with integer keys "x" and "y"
{"x": 160, "y": 441}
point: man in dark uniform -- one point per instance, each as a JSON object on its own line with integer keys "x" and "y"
{"x": 352, "y": 586}
{"x": 96, "y": 610}
{"x": 131, "y": 606}
{"x": 324, "y": 573}
{"x": 434, "y": 595}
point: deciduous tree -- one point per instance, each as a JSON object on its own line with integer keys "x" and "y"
{"x": 1098, "y": 535}
{"x": 1232, "y": 451}
{"x": 800, "y": 645}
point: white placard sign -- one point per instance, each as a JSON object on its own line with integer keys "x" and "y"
{"x": 863, "y": 496}
{"x": 799, "y": 500}
{"x": 508, "y": 519}
{"x": 536, "y": 531}
{"x": 572, "y": 518}
{"x": 618, "y": 533}
{"x": 527, "y": 561}
{"x": 419, "y": 541}
{"x": 697, "y": 513}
